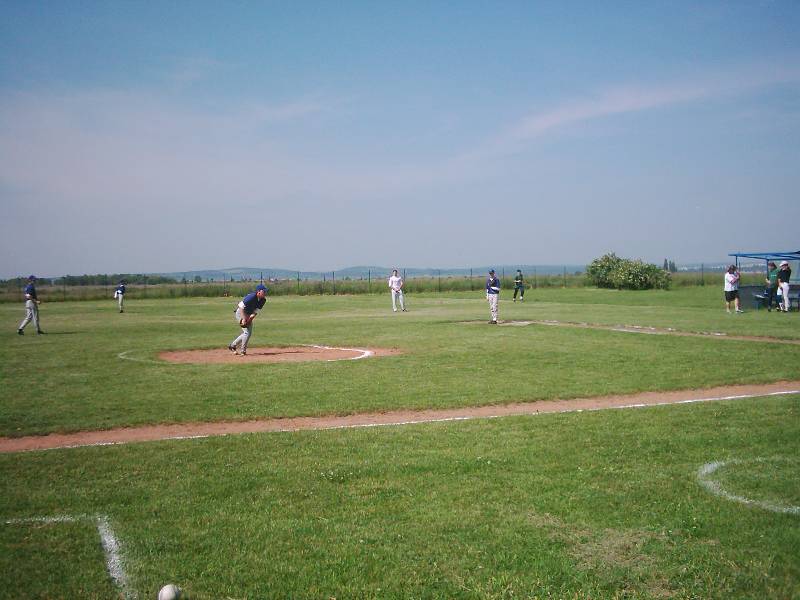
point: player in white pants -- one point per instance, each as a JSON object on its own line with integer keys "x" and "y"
{"x": 493, "y": 295}
{"x": 119, "y": 294}
{"x": 396, "y": 285}
{"x": 31, "y": 308}
{"x": 246, "y": 311}
{"x": 784, "y": 275}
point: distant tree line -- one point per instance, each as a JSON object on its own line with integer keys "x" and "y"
{"x": 669, "y": 266}
{"x": 84, "y": 280}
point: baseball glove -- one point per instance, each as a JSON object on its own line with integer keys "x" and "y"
{"x": 245, "y": 322}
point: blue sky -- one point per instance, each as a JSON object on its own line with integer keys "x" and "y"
{"x": 151, "y": 137}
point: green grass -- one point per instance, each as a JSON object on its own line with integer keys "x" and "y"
{"x": 598, "y": 505}
{"x": 583, "y": 505}
{"x": 74, "y": 379}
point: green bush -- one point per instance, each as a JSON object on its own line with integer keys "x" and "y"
{"x": 611, "y": 271}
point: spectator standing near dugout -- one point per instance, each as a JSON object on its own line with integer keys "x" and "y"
{"x": 119, "y": 294}
{"x": 732, "y": 289}
{"x": 784, "y": 275}
{"x": 493, "y": 295}
{"x": 519, "y": 286}
{"x": 396, "y": 286}
{"x": 31, "y": 308}
{"x": 246, "y": 311}
{"x": 772, "y": 285}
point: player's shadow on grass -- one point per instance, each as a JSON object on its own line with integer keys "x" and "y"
{"x": 49, "y": 333}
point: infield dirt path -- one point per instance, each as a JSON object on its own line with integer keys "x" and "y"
{"x": 404, "y": 417}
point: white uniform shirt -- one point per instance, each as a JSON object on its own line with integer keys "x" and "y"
{"x": 396, "y": 282}
{"x": 731, "y": 282}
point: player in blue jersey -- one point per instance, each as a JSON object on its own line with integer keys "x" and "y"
{"x": 119, "y": 294}
{"x": 493, "y": 295}
{"x": 31, "y": 307}
{"x": 246, "y": 311}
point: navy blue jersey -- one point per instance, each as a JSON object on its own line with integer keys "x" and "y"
{"x": 30, "y": 290}
{"x": 492, "y": 285}
{"x": 121, "y": 289}
{"x": 252, "y": 303}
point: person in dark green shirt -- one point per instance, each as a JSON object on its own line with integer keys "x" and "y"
{"x": 519, "y": 286}
{"x": 772, "y": 285}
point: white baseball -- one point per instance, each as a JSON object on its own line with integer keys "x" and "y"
{"x": 169, "y": 592}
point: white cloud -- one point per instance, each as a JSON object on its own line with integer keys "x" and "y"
{"x": 626, "y": 99}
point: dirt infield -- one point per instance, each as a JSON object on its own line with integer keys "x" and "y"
{"x": 403, "y": 417}
{"x": 274, "y": 355}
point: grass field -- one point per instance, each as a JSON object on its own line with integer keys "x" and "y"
{"x": 608, "y": 504}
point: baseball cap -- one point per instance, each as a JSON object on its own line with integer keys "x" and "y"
{"x": 491, "y": 270}
{"x": 260, "y": 287}
{"x": 31, "y": 277}
{"x": 785, "y": 262}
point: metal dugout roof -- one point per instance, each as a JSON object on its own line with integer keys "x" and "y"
{"x": 767, "y": 256}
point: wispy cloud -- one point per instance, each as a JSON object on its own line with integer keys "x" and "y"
{"x": 627, "y": 99}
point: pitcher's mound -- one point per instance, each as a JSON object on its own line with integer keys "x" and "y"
{"x": 272, "y": 355}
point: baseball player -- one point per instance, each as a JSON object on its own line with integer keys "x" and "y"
{"x": 119, "y": 294}
{"x": 493, "y": 294}
{"x": 519, "y": 286}
{"x": 396, "y": 285}
{"x": 31, "y": 307}
{"x": 784, "y": 276}
{"x": 246, "y": 311}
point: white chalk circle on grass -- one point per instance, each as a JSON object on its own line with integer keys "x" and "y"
{"x": 704, "y": 477}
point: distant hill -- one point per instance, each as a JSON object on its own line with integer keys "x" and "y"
{"x": 363, "y": 272}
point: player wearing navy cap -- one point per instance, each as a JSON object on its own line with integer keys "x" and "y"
{"x": 119, "y": 294}
{"x": 493, "y": 295}
{"x": 246, "y": 311}
{"x": 31, "y": 307}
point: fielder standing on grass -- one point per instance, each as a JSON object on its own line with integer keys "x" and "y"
{"x": 246, "y": 311}
{"x": 396, "y": 286}
{"x": 519, "y": 286}
{"x": 31, "y": 308}
{"x": 119, "y": 294}
{"x": 493, "y": 295}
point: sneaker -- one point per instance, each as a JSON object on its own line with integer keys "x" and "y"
{"x": 20, "y": 332}
{"x": 39, "y": 332}
{"x": 232, "y": 348}
{"x": 404, "y": 310}
{"x": 739, "y": 311}
{"x": 492, "y": 322}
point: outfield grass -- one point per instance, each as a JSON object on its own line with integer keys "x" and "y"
{"x": 582, "y": 505}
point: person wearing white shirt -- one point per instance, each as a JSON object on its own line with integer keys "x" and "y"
{"x": 396, "y": 286}
{"x": 732, "y": 289}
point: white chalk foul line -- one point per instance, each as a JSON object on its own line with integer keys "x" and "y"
{"x": 422, "y": 420}
{"x": 124, "y": 356}
{"x": 111, "y": 546}
{"x": 704, "y": 478}
{"x": 364, "y": 353}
